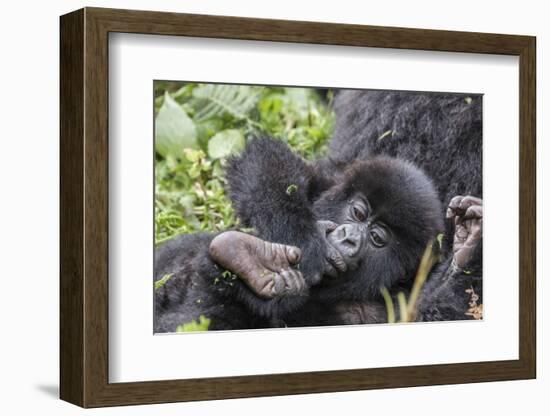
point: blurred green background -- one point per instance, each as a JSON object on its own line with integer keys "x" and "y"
{"x": 197, "y": 126}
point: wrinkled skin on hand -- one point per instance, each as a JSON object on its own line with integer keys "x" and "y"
{"x": 467, "y": 212}
{"x": 266, "y": 268}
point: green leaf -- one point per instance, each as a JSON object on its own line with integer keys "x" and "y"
{"x": 161, "y": 282}
{"x": 291, "y": 189}
{"x": 174, "y": 130}
{"x": 194, "y": 156}
{"x": 207, "y": 129}
{"x": 202, "y": 325}
{"x": 225, "y": 143}
{"x": 217, "y": 100}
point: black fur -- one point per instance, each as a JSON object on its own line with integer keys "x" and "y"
{"x": 272, "y": 191}
{"x": 196, "y": 287}
{"x": 438, "y": 132}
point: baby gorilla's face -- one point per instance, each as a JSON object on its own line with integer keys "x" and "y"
{"x": 380, "y": 218}
{"x": 359, "y": 232}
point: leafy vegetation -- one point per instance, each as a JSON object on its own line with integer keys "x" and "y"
{"x": 197, "y": 126}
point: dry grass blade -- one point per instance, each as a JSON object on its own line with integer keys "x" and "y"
{"x": 426, "y": 264}
{"x": 407, "y": 309}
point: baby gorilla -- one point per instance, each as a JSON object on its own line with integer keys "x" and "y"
{"x": 375, "y": 222}
{"x": 360, "y": 229}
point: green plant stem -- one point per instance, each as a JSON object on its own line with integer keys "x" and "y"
{"x": 389, "y": 305}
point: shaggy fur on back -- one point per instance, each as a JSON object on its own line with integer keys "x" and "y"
{"x": 440, "y": 133}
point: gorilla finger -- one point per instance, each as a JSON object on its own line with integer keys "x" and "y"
{"x": 301, "y": 286}
{"x": 474, "y": 212}
{"x": 455, "y": 202}
{"x": 269, "y": 290}
{"x": 336, "y": 259}
{"x": 290, "y": 282}
{"x": 301, "y": 282}
{"x": 453, "y": 207}
{"x": 469, "y": 201}
{"x": 278, "y": 285}
{"x": 476, "y": 229}
{"x": 450, "y": 213}
{"x": 293, "y": 254}
{"x": 461, "y": 234}
{"x": 329, "y": 270}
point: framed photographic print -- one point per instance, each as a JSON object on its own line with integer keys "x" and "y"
{"x": 257, "y": 207}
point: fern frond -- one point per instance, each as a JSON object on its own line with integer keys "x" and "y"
{"x": 215, "y": 100}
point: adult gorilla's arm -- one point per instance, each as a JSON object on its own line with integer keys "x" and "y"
{"x": 189, "y": 284}
{"x": 454, "y": 287}
{"x": 271, "y": 189}
{"x": 236, "y": 280}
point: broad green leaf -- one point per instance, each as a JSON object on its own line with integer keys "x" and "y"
{"x": 174, "y": 130}
{"x": 225, "y": 143}
{"x": 207, "y": 129}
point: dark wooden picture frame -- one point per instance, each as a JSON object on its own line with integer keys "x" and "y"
{"x": 84, "y": 207}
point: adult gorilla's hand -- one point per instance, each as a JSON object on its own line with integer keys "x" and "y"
{"x": 266, "y": 268}
{"x": 467, "y": 212}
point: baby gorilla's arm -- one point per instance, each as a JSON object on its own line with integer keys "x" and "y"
{"x": 266, "y": 268}
{"x": 271, "y": 189}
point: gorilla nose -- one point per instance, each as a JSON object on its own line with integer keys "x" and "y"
{"x": 348, "y": 239}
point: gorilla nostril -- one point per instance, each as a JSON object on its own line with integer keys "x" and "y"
{"x": 345, "y": 232}
{"x": 352, "y": 242}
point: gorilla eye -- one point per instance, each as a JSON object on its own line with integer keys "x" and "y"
{"x": 379, "y": 237}
{"x": 359, "y": 214}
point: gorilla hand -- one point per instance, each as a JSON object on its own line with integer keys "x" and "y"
{"x": 266, "y": 268}
{"x": 467, "y": 212}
